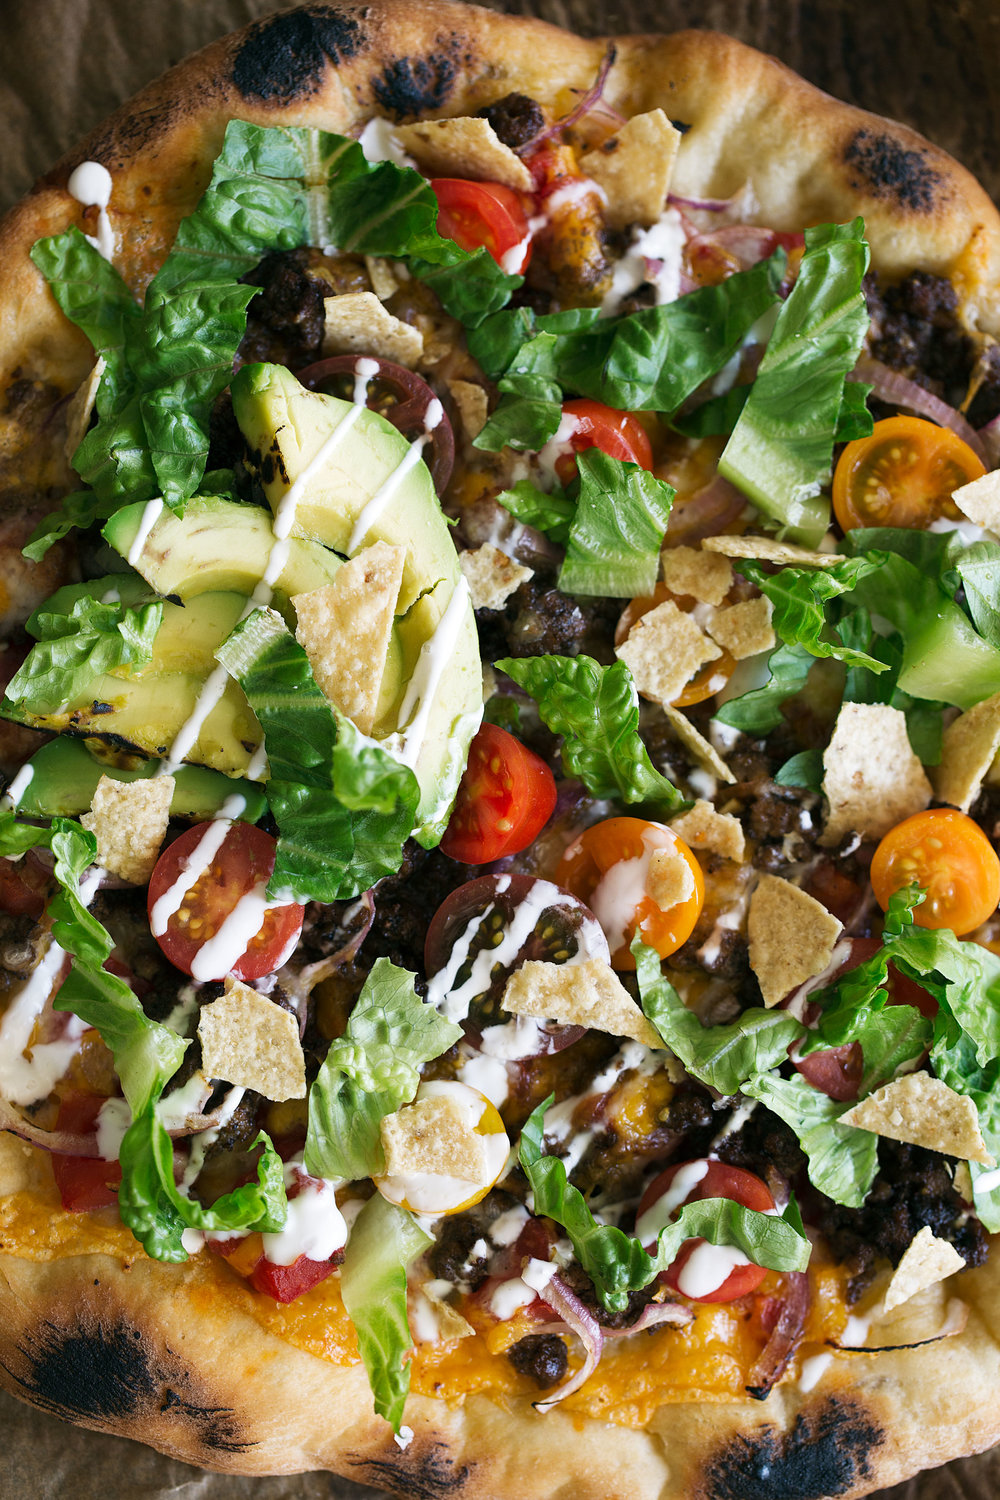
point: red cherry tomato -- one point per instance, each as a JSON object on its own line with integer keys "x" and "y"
{"x": 242, "y": 864}
{"x": 506, "y": 797}
{"x": 487, "y": 214}
{"x": 718, "y": 1181}
{"x": 836, "y": 1071}
{"x": 245, "y": 1253}
{"x": 84, "y": 1182}
{"x": 619, "y": 434}
{"x": 24, "y": 885}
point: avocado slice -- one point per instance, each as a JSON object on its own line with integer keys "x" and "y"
{"x": 434, "y": 701}
{"x": 139, "y": 712}
{"x": 65, "y": 776}
{"x": 217, "y": 546}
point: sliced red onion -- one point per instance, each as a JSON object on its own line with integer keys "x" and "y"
{"x": 581, "y": 1321}
{"x": 61, "y": 1142}
{"x": 989, "y": 436}
{"x": 785, "y": 1338}
{"x": 898, "y": 390}
{"x": 585, "y": 103}
{"x": 711, "y": 511}
{"x": 705, "y": 205}
{"x": 298, "y": 986}
{"x": 746, "y": 243}
{"x": 654, "y": 1315}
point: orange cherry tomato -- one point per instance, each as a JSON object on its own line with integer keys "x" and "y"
{"x": 608, "y": 867}
{"x": 619, "y": 434}
{"x": 709, "y": 679}
{"x": 950, "y": 857}
{"x": 902, "y": 475}
{"x": 487, "y": 214}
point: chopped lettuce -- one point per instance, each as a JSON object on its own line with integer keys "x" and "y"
{"x": 759, "y": 710}
{"x": 956, "y": 1065}
{"x": 613, "y": 546}
{"x": 596, "y": 709}
{"x": 77, "y": 644}
{"x": 616, "y": 1262}
{"x": 842, "y": 1160}
{"x": 799, "y": 597}
{"x": 370, "y": 1071}
{"x": 780, "y": 451}
{"x": 552, "y": 513}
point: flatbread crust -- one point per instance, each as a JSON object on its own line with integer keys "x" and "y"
{"x": 132, "y": 1346}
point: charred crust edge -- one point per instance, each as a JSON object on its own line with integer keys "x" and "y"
{"x": 414, "y": 85}
{"x": 882, "y": 166}
{"x": 428, "y": 1475}
{"x": 825, "y": 1454}
{"x": 284, "y": 58}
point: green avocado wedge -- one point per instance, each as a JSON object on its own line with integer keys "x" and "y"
{"x": 65, "y": 776}
{"x": 354, "y": 482}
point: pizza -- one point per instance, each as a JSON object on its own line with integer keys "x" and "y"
{"x": 499, "y": 940}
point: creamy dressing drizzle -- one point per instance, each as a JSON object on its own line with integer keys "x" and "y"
{"x": 90, "y": 184}
{"x": 20, "y": 784}
{"x": 150, "y": 515}
{"x": 371, "y": 512}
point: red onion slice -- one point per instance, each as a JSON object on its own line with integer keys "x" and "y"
{"x": 585, "y": 102}
{"x": 705, "y": 205}
{"x": 581, "y": 1321}
{"x": 898, "y": 390}
{"x": 61, "y": 1142}
{"x": 989, "y": 436}
{"x": 785, "y": 1338}
{"x": 654, "y": 1315}
{"x": 711, "y": 511}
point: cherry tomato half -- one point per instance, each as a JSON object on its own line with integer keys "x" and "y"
{"x": 835, "y": 1071}
{"x": 903, "y": 474}
{"x": 950, "y": 857}
{"x": 84, "y": 1182}
{"x": 709, "y": 679}
{"x": 611, "y": 866}
{"x": 619, "y": 434}
{"x": 487, "y": 214}
{"x": 505, "y": 798}
{"x": 703, "y": 1179}
{"x": 241, "y": 867}
{"x": 284, "y": 1283}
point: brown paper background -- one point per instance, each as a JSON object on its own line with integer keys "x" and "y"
{"x": 64, "y": 64}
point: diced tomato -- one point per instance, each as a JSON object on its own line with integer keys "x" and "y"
{"x": 506, "y": 797}
{"x": 486, "y": 214}
{"x": 24, "y": 886}
{"x": 619, "y": 434}
{"x": 243, "y": 862}
{"x": 594, "y": 868}
{"x": 902, "y": 474}
{"x": 946, "y": 854}
{"x": 245, "y": 1253}
{"x": 834, "y": 890}
{"x": 84, "y": 1182}
{"x": 717, "y": 1181}
{"x": 836, "y": 1071}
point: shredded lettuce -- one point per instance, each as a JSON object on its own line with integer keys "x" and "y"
{"x": 77, "y": 644}
{"x": 799, "y": 597}
{"x": 596, "y": 709}
{"x": 615, "y": 1261}
{"x": 383, "y": 1241}
{"x": 759, "y": 711}
{"x": 370, "y": 1071}
{"x": 780, "y": 451}
{"x": 552, "y": 513}
{"x": 957, "y": 1066}
{"x": 842, "y": 1160}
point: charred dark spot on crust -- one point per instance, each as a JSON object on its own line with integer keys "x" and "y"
{"x": 887, "y": 169}
{"x": 411, "y": 85}
{"x": 285, "y": 58}
{"x": 427, "y": 1476}
{"x": 824, "y": 1455}
{"x": 96, "y": 1373}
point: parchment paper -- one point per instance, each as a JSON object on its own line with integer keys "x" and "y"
{"x": 64, "y": 64}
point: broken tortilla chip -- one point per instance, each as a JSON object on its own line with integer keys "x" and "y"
{"x": 791, "y": 937}
{"x": 705, "y": 576}
{"x": 473, "y": 405}
{"x": 968, "y": 749}
{"x": 464, "y": 147}
{"x": 80, "y": 408}
{"x": 492, "y": 576}
{"x": 129, "y": 820}
{"x": 700, "y": 749}
{"x": 925, "y": 1261}
{"x": 704, "y": 829}
{"x": 872, "y": 778}
{"x": 249, "y": 1041}
{"x": 634, "y": 168}
{"x": 345, "y": 628}
{"x": 357, "y": 323}
{"x": 588, "y": 994}
{"x": 769, "y": 549}
{"x": 923, "y": 1111}
{"x": 743, "y": 629}
{"x": 433, "y": 1135}
{"x": 663, "y": 651}
{"x": 980, "y": 501}
{"x": 382, "y": 276}
{"x": 669, "y": 879}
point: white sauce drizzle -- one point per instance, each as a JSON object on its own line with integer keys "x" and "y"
{"x": 150, "y": 515}
{"x": 20, "y": 784}
{"x": 813, "y": 1370}
{"x": 421, "y": 690}
{"x": 657, "y": 1215}
{"x": 90, "y": 184}
{"x": 315, "y": 1226}
{"x": 708, "y": 1267}
{"x": 371, "y": 513}
{"x": 113, "y": 1119}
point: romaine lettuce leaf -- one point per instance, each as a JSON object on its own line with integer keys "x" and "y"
{"x": 842, "y": 1160}
{"x": 77, "y": 645}
{"x": 759, "y": 711}
{"x": 799, "y": 597}
{"x": 613, "y": 546}
{"x": 956, "y": 1065}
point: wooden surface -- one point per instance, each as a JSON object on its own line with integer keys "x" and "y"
{"x": 64, "y": 64}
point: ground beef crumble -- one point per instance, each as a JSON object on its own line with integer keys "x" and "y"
{"x": 543, "y": 1356}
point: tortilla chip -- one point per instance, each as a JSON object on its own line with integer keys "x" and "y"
{"x": 704, "y": 829}
{"x": 473, "y": 405}
{"x": 129, "y": 820}
{"x": 357, "y": 323}
{"x": 926, "y": 1261}
{"x": 669, "y": 880}
{"x": 80, "y": 408}
{"x": 434, "y": 1321}
{"x": 634, "y": 169}
{"x": 744, "y": 629}
{"x": 923, "y": 1111}
{"x": 464, "y": 147}
{"x": 433, "y": 1135}
{"x": 248, "y": 1040}
{"x": 696, "y": 744}
{"x": 872, "y": 779}
{"x": 382, "y": 276}
{"x": 768, "y": 549}
{"x": 345, "y": 627}
{"x": 492, "y": 575}
{"x": 791, "y": 937}
{"x": 704, "y": 576}
{"x": 588, "y": 994}
{"x": 980, "y": 501}
{"x": 924, "y": 1318}
{"x": 968, "y": 750}
{"x": 663, "y": 651}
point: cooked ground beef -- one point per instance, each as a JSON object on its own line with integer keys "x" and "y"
{"x": 916, "y": 330}
{"x": 515, "y": 118}
{"x": 764, "y": 1145}
{"x": 540, "y": 619}
{"x": 985, "y": 404}
{"x": 449, "y": 1257}
{"x": 285, "y": 323}
{"x": 543, "y": 1356}
{"x": 405, "y": 904}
